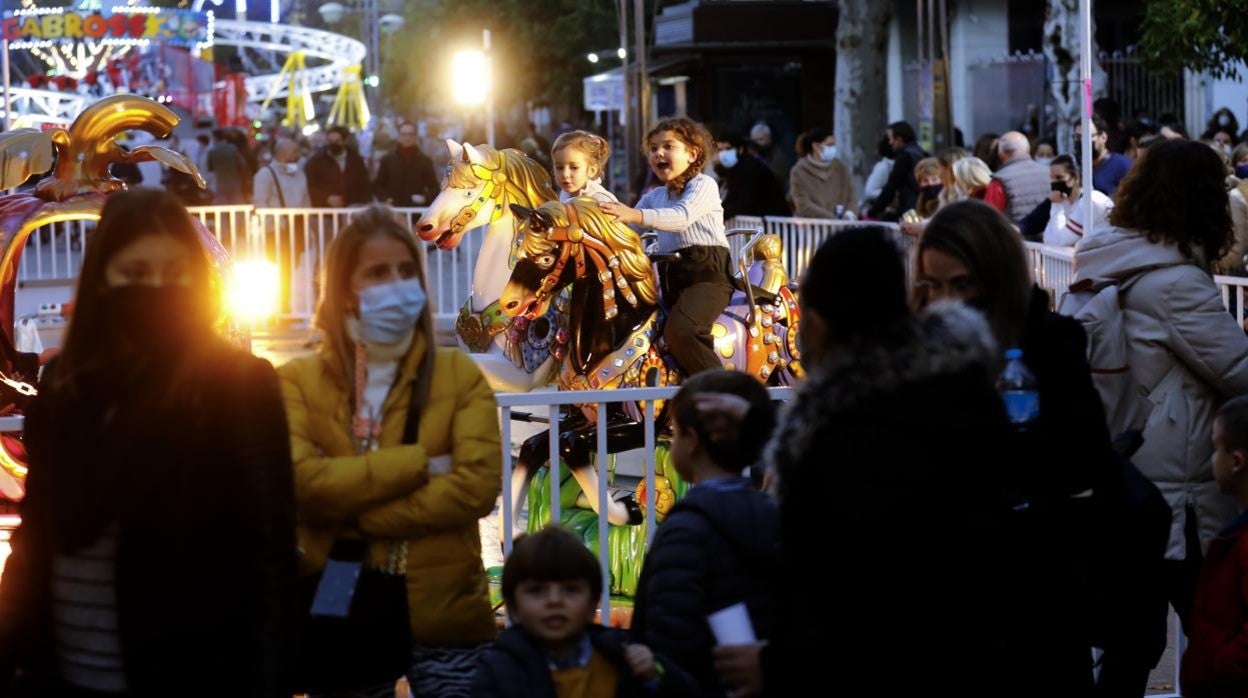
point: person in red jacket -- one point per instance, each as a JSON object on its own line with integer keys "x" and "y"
{"x": 1216, "y": 662}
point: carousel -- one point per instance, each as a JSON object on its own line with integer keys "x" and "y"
{"x": 76, "y": 163}
{"x": 565, "y": 295}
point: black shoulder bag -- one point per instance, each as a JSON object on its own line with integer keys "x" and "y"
{"x": 371, "y": 643}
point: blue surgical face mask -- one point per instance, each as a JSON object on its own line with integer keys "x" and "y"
{"x": 389, "y": 311}
{"x": 728, "y": 158}
{"x": 1241, "y": 171}
{"x": 829, "y": 153}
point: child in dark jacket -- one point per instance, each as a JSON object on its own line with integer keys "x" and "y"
{"x": 553, "y": 649}
{"x": 1216, "y": 662}
{"x": 719, "y": 545}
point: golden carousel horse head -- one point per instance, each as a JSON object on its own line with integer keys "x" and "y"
{"x": 479, "y": 185}
{"x": 564, "y": 243}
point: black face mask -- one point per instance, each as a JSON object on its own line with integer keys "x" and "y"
{"x": 336, "y": 149}
{"x": 931, "y": 191}
{"x": 153, "y": 321}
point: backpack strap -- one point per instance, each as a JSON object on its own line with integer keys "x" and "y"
{"x": 277, "y": 183}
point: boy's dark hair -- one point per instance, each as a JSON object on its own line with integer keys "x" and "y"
{"x": 744, "y": 449}
{"x": 550, "y": 555}
{"x": 856, "y": 283}
{"x": 1234, "y": 417}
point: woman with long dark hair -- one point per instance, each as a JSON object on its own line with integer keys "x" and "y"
{"x": 156, "y": 552}
{"x": 970, "y": 252}
{"x": 397, "y": 455}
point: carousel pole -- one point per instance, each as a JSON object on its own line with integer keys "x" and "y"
{"x": 631, "y": 146}
{"x": 643, "y": 77}
{"x": 8, "y": 101}
{"x": 1085, "y": 73}
{"x": 489, "y": 93}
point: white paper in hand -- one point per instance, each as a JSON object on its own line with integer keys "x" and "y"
{"x": 732, "y": 626}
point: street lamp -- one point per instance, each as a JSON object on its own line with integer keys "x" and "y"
{"x": 333, "y": 12}
{"x": 598, "y": 55}
{"x": 471, "y": 82}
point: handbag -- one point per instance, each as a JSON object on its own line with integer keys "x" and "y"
{"x": 371, "y": 644}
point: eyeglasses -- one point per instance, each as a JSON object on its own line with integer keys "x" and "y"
{"x": 960, "y": 286}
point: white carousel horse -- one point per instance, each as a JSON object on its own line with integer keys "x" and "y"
{"x": 480, "y": 185}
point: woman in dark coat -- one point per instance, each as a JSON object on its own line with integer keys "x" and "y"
{"x": 156, "y": 550}
{"x": 888, "y": 461}
{"x": 969, "y": 252}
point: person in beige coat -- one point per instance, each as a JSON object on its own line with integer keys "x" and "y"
{"x": 1186, "y": 352}
{"x": 1233, "y": 261}
{"x": 818, "y": 183}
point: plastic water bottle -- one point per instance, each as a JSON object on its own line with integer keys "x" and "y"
{"x": 1018, "y": 390}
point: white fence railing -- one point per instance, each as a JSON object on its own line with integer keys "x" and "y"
{"x": 551, "y": 401}
{"x": 1052, "y": 268}
{"x": 296, "y": 240}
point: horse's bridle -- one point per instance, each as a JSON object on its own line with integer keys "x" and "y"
{"x": 495, "y": 181}
{"x": 576, "y": 245}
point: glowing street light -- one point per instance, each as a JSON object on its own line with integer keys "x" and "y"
{"x": 597, "y": 56}
{"x": 470, "y": 77}
{"x": 471, "y": 81}
{"x": 254, "y": 291}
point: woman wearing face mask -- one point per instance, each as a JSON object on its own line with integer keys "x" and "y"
{"x": 396, "y": 450}
{"x": 1233, "y": 261}
{"x": 281, "y": 183}
{"x": 1069, "y": 207}
{"x": 820, "y": 183}
{"x": 927, "y": 174}
{"x": 157, "y": 545}
{"x": 750, "y": 188}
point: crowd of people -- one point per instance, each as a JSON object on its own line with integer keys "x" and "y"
{"x": 228, "y": 528}
{"x": 286, "y": 170}
{"x": 1039, "y": 191}
{"x": 331, "y": 169}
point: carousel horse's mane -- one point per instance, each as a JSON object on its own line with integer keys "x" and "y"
{"x": 527, "y": 183}
{"x": 623, "y": 242}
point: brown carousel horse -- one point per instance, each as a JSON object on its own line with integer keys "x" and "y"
{"x": 615, "y": 328}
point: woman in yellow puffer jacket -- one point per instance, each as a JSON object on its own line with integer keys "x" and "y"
{"x": 415, "y": 504}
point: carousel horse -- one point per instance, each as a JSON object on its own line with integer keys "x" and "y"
{"x": 480, "y": 185}
{"x": 79, "y": 160}
{"x": 615, "y": 328}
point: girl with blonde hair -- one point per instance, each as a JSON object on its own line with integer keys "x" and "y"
{"x": 580, "y": 159}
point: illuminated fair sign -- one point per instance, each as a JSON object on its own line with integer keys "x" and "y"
{"x": 77, "y": 41}
{"x": 125, "y": 25}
